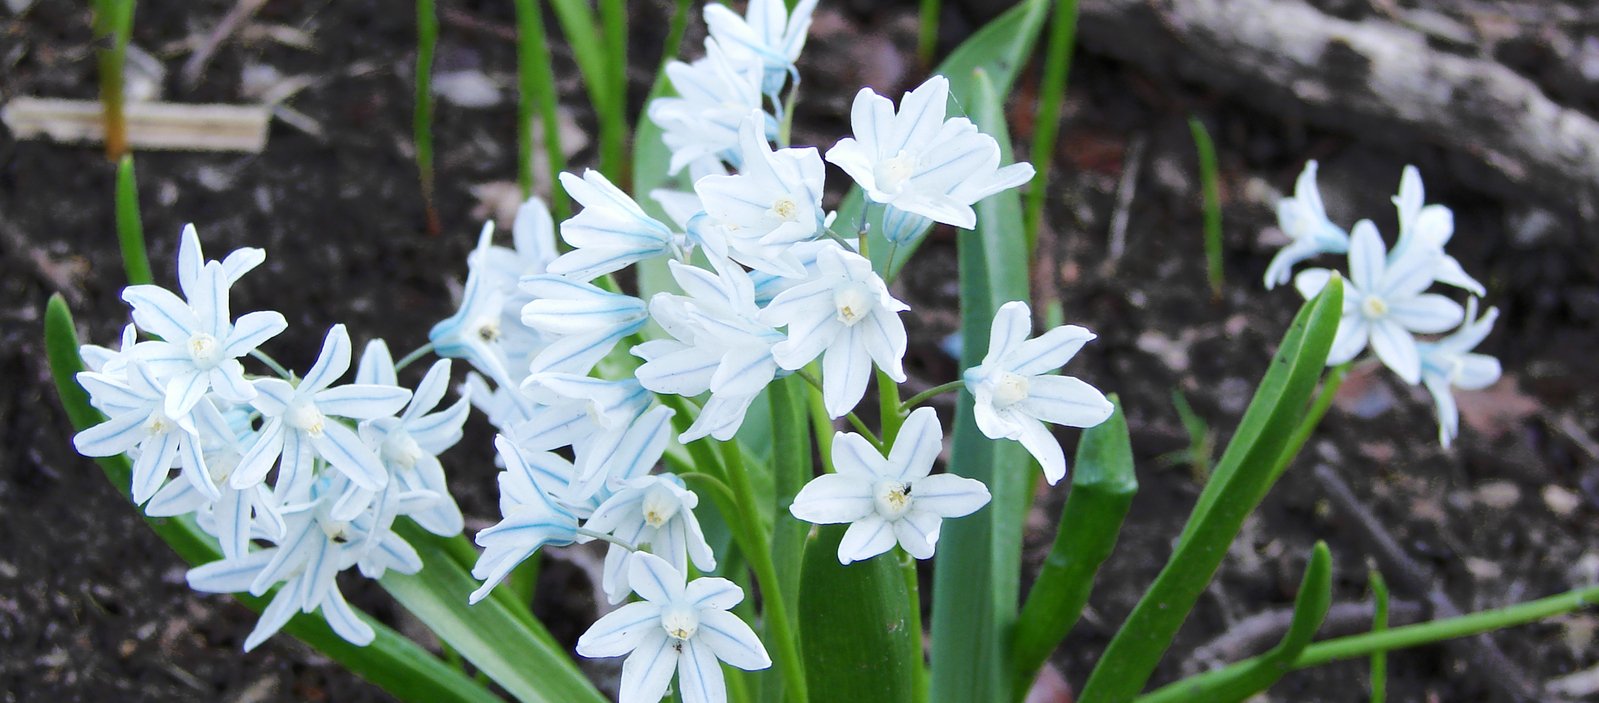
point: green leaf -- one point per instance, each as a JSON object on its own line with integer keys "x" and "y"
{"x": 1103, "y": 484}
{"x": 130, "y": 228}
{"x": 427, "y": 39}
{"x": 1212, "y": 192}
{"x": 392, "y": 662}
{"x": 1051, "y": 95}
{"x": 583, "y": 32}
{"x": 517, "y": 653}
{"x": 977, "y": 578}
{"x": 855, "y": 623}
{"x": 1239, "y": 483}
{"x": 1310, "y": 608}
{"x": 536, "y": 92}
{"x": 999, "y": 50}
{"x": 792, "y": 469}
{"x": 1379, "y": 623}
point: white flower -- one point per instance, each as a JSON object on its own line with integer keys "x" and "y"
{"x": 1449, "y": 363}
{"x": 1384, "y": 303}
{"x": 613, "y": 431}
{"x": 409, "y": 445}
{"x": 530, "y": 520}
{"x": 657, "y": 511}
{"x": 676, "y": 627}
{"x": 474, "y": 331}
{"x": 138, "y": 423}
{"x": 191, "y": 260}
{"x": 846, "y": 311}
{"x": 611, "y": 233}
{"x": 1428, "y": 228}
{"x": 200, "y": 342}
{"x": 233, "y": 516}
{"x": 1015, "y": 396}
{"x": 715, "y": 94}
{"x": 584, "y": 321}
{"x": 892, "y": 499}
{"x": 767, "y": 32}
{"x": 917, "y": 162}
{"x": 720, "y": 346}
{"x": 299, "y": 425}
{"x": 1304, "y": 220}
{"x": 775, "y": 201}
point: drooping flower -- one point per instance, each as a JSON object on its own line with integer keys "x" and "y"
{"x": 714, "y": 95}
{"x": 775, "y": 201}
{"x": 582, "y": 321}
{"x": 767, "y": 31}
{"x": 1450, "y": 363}
{"x": 1384, "y": 303}
{"x": 719, "y": 346}
{"x": 686, "y": 628}
{"x": 917, "y": 162}
{"x": 531, "y": 518}
{"x": 611, "y": 233}
{"x": 655, "y": 511}
{"x": 300, "y": 424}
{"x": 843, "y": 311}
{"x": 892, "y": 499}
{"x": 1015, "y": 395}
{"x": 1304, "y": 220}
{"x": 200, "y": 343}
{"x": 474, "y": 331}
{"x": 1427, "y": 228}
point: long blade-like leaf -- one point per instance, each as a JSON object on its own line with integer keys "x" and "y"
{"x": 392, "y": 662}
{"x": 1245, "y": 475}
{"x": 855, "y": 623}
{"x": 977, "y": 577}
{"x": 1103, "y": 485}
{"x": 130, "y": 229}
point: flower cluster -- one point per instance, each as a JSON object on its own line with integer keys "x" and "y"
{"x": 1386, "y": 303}
{"x": 349, "y": 458}
{"x": 592, "y": 389}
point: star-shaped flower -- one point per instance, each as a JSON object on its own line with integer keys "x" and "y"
{"x": 138, "y": 423}
{"x": 657, "y": 511}
{"x": 1015, "y": 396}
{"x": 714, "y": 94}
{"x": 1428, "y": 228}
{"x": 611, "y": 233}
{"x": 917, "y": 162}
{"x": 686, "y": 628}
{"x": 767, "y": 31}
{"x": 889, "y": 499}
{"x": 773, "y": 202}
{"x": 531, "y": 518}
{"x": 1384, "y": 303}
{"x": 845, "y": 311}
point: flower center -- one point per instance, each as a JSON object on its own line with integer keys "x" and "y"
{"x": 158, "y": 423}
{"x": 1010, "y": 389}
{"x": 853, "y": 301}
{"x": 680, "y": 622}
{"x": 659, "y": 506}
{"x": 1374, "y": 307}
{"x": 401, "y": 450}
{"x": 894, "y": 172}
{"x": 304, "y": 416}
{"x": 203, "y": 349}
{"x": 488, "y": 330}
{"x": 786, "y": 209}
{"x": 893, "y": 498}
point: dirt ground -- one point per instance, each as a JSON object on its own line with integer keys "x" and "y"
{"x": 93, "y": 606}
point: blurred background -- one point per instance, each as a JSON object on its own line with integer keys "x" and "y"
{"x": 1495, "y": 102}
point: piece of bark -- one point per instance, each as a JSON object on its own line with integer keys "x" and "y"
{"x": 175, "y": 126}
{"x": 1371, "y": 76}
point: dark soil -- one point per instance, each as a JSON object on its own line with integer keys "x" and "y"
{"x": 93, "y": 606}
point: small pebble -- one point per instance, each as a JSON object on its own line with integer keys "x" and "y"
{"x": 1561, "y": 501}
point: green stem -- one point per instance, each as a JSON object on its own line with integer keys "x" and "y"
{"x": 1365, "y": 644}
{"x": 604, "y": 537}
{"x": 427, "y": 39}
{"x": 1052, "y": 91}
{"x": 913, "y": 596}
{"x": 931, "y": 393}
{"x": 1379, "y": 623}
{"x": 113, "y": 25}
{"x": 271, "y": 363}
{"x": 413, "y": 356}
{"x": 756, "y": 548}
{"x": 613, "y": 122}
{"x": 927, "y": 35}
{"x": 1312, "y": 418}
{"x": 708, "y": 481}
{"x": 889, "y": 410}
{"x": 130, "y": 228}
{"x": 860, "y": 425}
{"x": 822, "y": 425}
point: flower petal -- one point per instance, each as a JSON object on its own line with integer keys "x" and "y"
{"x": 331, "y": 363}
{"x": 620, "y": 631}
{"x": 833, "y": 498}
{"x": 710, "y": 593}
{"x": 699, "y": 674}
{"x": 361, "y": 401}
{"x": 920, "y": 439}
{"x": 1397, "y": 349}
{"x": 948, "y": 495}
{"x": 731, "y": 639}
{"x": 654, "y": 579}
{"x": 648, "y": 670}
{"x": 865, "y": 538}
{"x": 1064, "y": 400}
